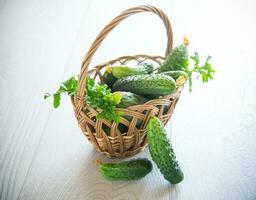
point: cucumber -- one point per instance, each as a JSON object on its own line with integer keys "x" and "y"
{"x": 130, "y": 99}
{"x": 121, "y": 127}
{"x": 124, "y": 129}
{"x": 176, "y": 60}
{"x": 150, "y": 84}
{"x": 108, "y": 78}
{"x": 127, "y": 170}
{"x": 151, "y": 96}
{"x": 106, "y": 129}
{"x": 161, "y": 151}
{"x": 124, "y": 71}
{"x": 175, "y": 74}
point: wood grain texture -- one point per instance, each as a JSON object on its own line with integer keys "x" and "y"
{"x": 43, "y": 154}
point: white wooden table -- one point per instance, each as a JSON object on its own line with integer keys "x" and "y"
{"x": 43, "y": 154}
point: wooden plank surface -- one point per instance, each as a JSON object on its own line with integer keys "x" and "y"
{"x": 43, "y": 154}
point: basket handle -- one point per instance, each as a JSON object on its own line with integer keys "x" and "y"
{"x": 88, "y": 57}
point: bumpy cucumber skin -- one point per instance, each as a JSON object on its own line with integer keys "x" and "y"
{"x": 176, "y": 60}
{"x": 109, "y": 79}
{"x": 124, "y": 71}
{"x": 175, "y": 74}
{"x": 161, "y": 151}
{"x": 150, "y": 84}
{"x": 131, "y": 99}
{"x": 127, "y": 170}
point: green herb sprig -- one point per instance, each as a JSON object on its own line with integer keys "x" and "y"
{"x": 100, "y": 97}
{"x": 69, "y": 86}
{"x": 205, "y": 71}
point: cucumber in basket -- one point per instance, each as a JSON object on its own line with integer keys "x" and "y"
{"x": 127, "y": 170}
{"x": 108, "y": 78}
{"x": 130, "y": 99}
{"x": 150, "y": 84}
{"x": 161, "y": 151}
{"x": 175, "y": 74}
{"x": 124, "y": 71}
{"x": 176, "y": 60}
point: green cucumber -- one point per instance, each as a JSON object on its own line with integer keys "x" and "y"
{"x": 108, "y": 78}
{"x": 150, "y": 84}
{"x": 175, "y": 74}
{"x": 127, "y": 170}
{"x": 106, "y": 129}
{"x": 161, "y": 151}
{"x": 124, "y": 71}
{"x": 123, "y": 129}
{"x": 176, "y": 60}
{"x": 130, "y": 99}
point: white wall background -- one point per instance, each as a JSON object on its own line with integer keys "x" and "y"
{"x": 42, "y": 153}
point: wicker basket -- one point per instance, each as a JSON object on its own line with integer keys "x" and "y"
{"x": 118, "y": 144}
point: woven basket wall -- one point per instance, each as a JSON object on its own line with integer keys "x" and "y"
{"x": 128, "y": 137}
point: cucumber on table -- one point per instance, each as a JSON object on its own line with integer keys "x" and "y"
{"x": 150, "y": 84}
{"x": 124, "y": 71}
{"x": 127, "y": 170}
{"x": 162, "y": 152}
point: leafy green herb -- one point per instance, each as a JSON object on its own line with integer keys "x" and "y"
{"x": 69, "y": 87}
{"x": 100, "y": 97}
{"x": 205, "y": 70}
